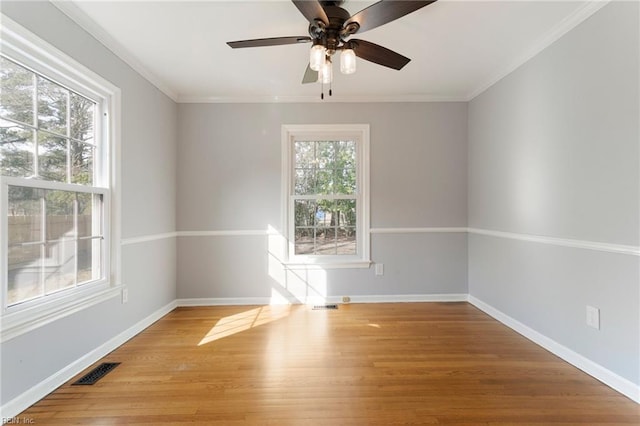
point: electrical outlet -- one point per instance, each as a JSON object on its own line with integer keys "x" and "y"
{"x": 125, "y": 295}
{"x": 593, "y": 317}
{"x": 379, "y": 269}
{"x": 346, "y": 299}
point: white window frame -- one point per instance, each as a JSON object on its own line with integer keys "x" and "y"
{"x": 25, "y": 48}
{"x": 360, "y": 134}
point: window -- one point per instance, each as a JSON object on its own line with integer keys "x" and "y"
{"x": 325, "y": 187}
{"x": 57, "y": 175}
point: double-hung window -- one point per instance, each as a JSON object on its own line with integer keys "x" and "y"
{"x": 325, "y": 189}
{"x": 57, "y": 150}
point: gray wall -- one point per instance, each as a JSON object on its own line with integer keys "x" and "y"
{"x": 149, "y": 140}
{"x": 553, "y": 151}
{"x": 229, "y": 179}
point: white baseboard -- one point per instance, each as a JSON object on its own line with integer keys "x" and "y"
{"x": 387, "y": 298}
{"x": 42, "y": 389}
{"x": 405, "y": 298}
{"x": 608, "y": 377}
{"x": 224, "y": 301}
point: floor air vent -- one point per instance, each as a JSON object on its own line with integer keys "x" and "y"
{"x": 316, "y": 307}
{"x": 97, "y": 373}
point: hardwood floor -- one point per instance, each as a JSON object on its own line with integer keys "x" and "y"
{"x": 363, "y": 364}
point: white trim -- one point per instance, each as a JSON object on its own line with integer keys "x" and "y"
{"x": 432, "y": 230}
{"x": 562, "y": 242}
{"x": 224, "y": 301}
{"x": 566, "y": 25}
{"x": 608, "y": 377}
{"x": 42, "y": 389}
{"x": 89, "y": 25}
{"x": 408, "y": 298}
{"x": 333, "y": 264}
{"x": 31, "y": 51}
{"x": 360, "y": 134}
{"x": 399, "y": 298}
{"x": 186, "y": 99}
{"x": 225, "y": 233}
{"x": 28, "y": 319}
{"x": 146, "y": 238}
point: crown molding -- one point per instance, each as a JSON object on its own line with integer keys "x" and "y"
{"x": 78, "y": 16}
{"x": 566, "y": 25}
{"x": 316, "y": 99}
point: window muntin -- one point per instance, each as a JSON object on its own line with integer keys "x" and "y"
{"x": 325, "y": 199}
{"x": 55, "y": 236}
{"x": 46, "y": 130}
{"x": 325, "y": 178}
{"x": 55, "y": 241}
{"x": 60, "y": 121}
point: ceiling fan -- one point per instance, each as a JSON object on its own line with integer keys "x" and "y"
{"x": 330, "y": 29}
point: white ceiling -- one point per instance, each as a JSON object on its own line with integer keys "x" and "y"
{"x": 458, "y": 48}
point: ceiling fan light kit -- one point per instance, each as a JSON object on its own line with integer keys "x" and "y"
{"x": 347, "y": 61}
{"x": 317, "y": 56}
{"x": 330, "y": 29}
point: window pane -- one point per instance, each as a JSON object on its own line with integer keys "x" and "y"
{"x": 345, "y": 181}
{"x": 346, "y": 213}
{"x": 59, "y": 265}
{"x": 346, "y": 237}
{"x": 324, "y": 213}
{"x": 304, "y": 241}
{"x": 81, "y": 163}
{"x": 60, "y": 220}
{"x": 24, "y": 226}
{"x": 326, "y": 241}
{"x": 24, "y": 273}
{"x": 52, "y": 106}
{"x": 16, "y": 92}
{"x": 82, "y": 118}
{"x": 89, "y": 258}
{"x": 52, "y": 156}
{"x": 16, "y": 150}
{"x": 305, "y": 182}
{"x": 325, "y": 154}
{"x": 324, "y": 183}
{"x": 24, "y": 215}
{"x": 39, "y": 267}
{"x": 304, "y": 154}
{"x": 85, "y": 219}
{"x": 345, "y": 154}
{"x": 305, "y": 213}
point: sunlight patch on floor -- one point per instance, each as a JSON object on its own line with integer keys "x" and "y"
{"x": 243, "y": 321}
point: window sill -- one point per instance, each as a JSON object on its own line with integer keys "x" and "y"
{"x": 24, "y": 320}
{"x": 349, "y": 264}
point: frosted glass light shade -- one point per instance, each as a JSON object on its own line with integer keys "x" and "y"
{"x": 316, "y": 57}
{"x": 325, "y": 75}
{"x": 348, "y": 61}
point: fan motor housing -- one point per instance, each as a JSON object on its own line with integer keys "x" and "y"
{"x": 333, "y": 35}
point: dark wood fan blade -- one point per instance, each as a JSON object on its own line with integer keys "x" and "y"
{"x": 378, "y": 54}
{"x": 312, "y": 10}
{"x": 385, "y": 11}
{"x": 274, "y": 41}
{"x": 310, "y": 76}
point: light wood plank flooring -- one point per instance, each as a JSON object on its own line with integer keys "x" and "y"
{"x": 364, "y": 364}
